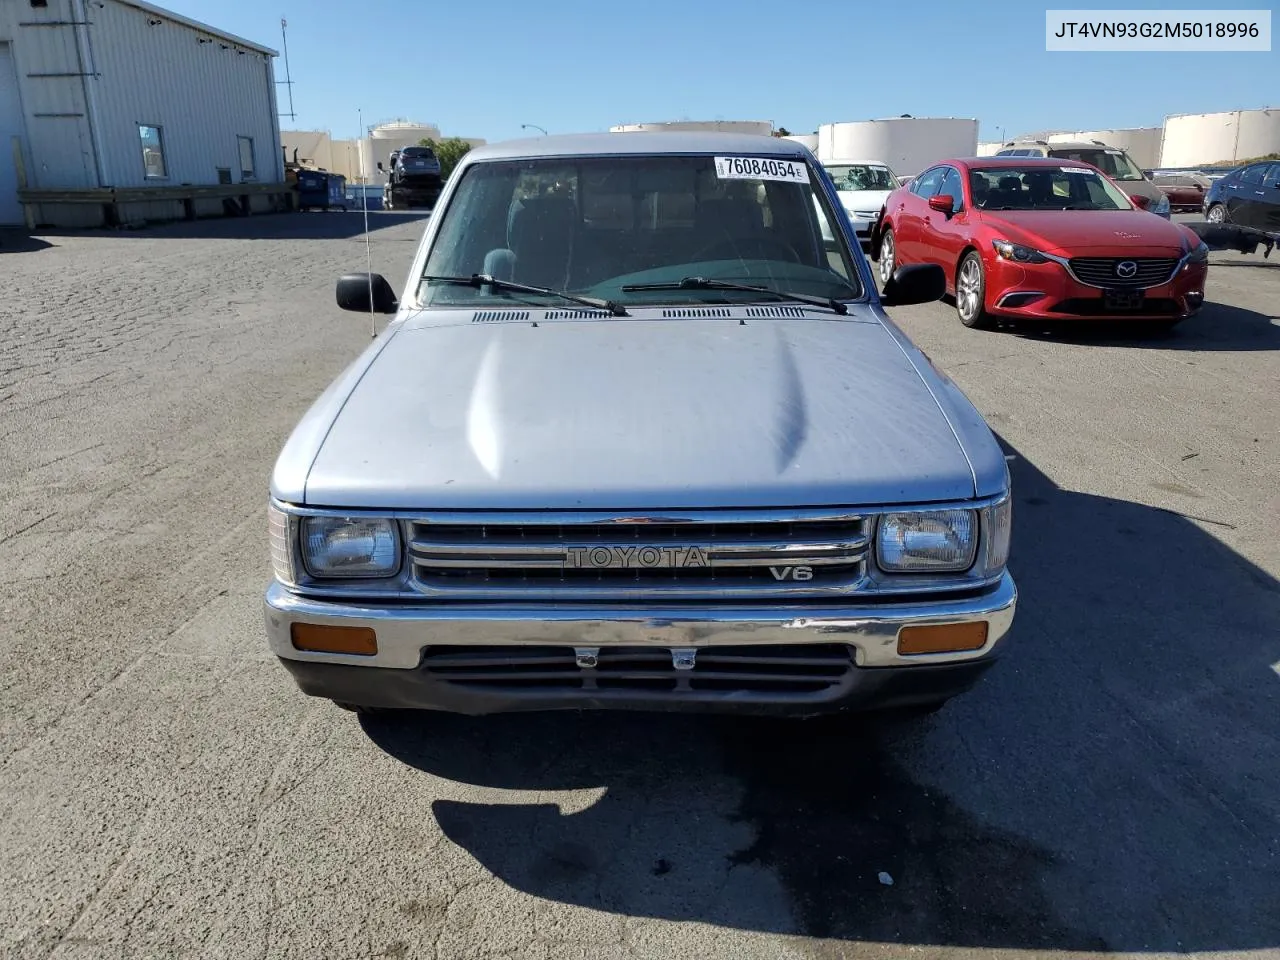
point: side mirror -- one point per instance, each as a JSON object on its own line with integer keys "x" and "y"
{"x": 1140, "y": 201}
{"x": 367, "y": 293}
{"x": 917, "y": 283}
{"x": 943, "y": 203}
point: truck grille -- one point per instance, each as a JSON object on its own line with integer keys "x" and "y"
{"x": 725, "y": 554}
{"x": 801, "y": 670}
{"x": 1102, "y": 271}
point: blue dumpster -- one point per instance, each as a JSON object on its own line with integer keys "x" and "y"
{"x": 321, "y": 190}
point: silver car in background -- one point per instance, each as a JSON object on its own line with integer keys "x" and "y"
{"x": 636, "y": 437}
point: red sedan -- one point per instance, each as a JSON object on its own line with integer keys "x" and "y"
{"x": 1041, "y": 238}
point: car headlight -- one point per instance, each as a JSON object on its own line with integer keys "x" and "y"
{"x": 927, "y": 541}
{"x": 350, "y": 546}
{"x": 1017, "y": 252}
{"x": 1161, "y": 206}
{"x": 1199, "y": 255}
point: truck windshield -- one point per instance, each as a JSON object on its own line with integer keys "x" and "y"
{"x": 1114, "y": 163}
{"x": 862, "y": 176}
{"x": 628, "y": 229}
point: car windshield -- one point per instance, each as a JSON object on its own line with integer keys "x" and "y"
{"x": 1109, "y": 160}
{"x": 592, "y": 225}
{"x": 862, "y": 176}
{"x": 1044, "y": 188}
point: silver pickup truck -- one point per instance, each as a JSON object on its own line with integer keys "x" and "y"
{"x": 637, "y": 436}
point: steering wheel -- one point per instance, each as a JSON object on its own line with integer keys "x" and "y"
{"x": 730, "y": 249}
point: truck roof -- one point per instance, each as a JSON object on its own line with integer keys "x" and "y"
{"x": 613, "y": 144}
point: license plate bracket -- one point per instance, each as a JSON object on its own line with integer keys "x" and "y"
{"x": 1122, "y": 300}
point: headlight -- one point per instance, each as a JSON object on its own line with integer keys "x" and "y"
{"x": 350, "y": 547}
{"x": 1017, "y": 252}
{"x": 927, "y": 541}
{"x": 1199, "y": 255}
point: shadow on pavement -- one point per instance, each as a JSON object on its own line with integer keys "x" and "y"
{"x": 1217, "y": 327}
{"x": 1112, "y": 785}
{"x": 18, "y": 241}
{"x": 311, "y": 225}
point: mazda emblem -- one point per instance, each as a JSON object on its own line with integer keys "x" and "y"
{"x": 1126, "y": 269}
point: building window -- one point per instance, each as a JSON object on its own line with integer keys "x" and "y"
{"x": 152, "y": 152}
{"x": 224, "y": 174}
{"x": 246, "y": 158}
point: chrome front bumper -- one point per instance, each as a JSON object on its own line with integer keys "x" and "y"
{"x": 404, "y": 630}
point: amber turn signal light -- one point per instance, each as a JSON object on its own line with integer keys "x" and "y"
{"x": 942, "y": 638}
{"x": 320, "y": 638}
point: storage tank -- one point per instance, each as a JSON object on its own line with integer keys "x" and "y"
{"x": 761, "y": 127}
{"x": 906, "y": 144}
{"x": 1141, "y": 143}
{"x": 810, "y": 140}
{"x": 1207, "y": 139}
{"x": 393, "y": 135}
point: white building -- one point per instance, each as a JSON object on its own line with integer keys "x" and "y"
{"x": 385, "y": 138}
{"x": 759, "y": 127}
{"x": 117, "y": 109}
{"x": 1141, "y": 143}
{"x": 810, "y": 140}
{"x": 906, "y": 144}
{"x": 1204, "y": 139}
{"x": 317, "y": 149}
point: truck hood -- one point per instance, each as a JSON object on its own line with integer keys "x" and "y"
{"x": 634, "y": 413}
{"x": 867, "y": 200}
{"x": 1122, "y": 233}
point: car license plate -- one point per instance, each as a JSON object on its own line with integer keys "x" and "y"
{"x": 1122, "y": 299}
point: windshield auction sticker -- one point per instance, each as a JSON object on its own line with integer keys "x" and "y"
{"x": 761, "y": 168}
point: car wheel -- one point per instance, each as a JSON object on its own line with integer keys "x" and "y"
{"x": 1217, "y": 214}
{"x": 888, "y": 255}
{"x": 971, "y": 291}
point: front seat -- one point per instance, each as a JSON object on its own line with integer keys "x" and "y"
{"x": 541, "y": 237}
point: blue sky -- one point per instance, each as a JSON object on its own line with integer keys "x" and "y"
{"x": 483, "y": 68}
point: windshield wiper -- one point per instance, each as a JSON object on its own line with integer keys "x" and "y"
{"x": 478, "y": 280}
{"x": 709, "y": 283}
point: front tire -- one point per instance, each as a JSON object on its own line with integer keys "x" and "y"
{"x": 1216, "y": 214}
{"x": 888, "y": 255}
{"x": 971, "y": 292}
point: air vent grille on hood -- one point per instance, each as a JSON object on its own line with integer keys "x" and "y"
{"x": 495, "y": 316}
{"x": 775, "y": 311}
{"x": 685, "y": 313}
{"x": 575, "y": 314}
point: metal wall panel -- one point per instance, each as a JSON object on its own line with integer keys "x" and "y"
{"x": 57, "y": 149}
{"x": 202, "y": 89}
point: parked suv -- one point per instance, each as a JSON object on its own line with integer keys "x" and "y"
{"x": 1114, "y": 162}
{"x": 413, "y": 179}
{"x": 1249, "y": 197}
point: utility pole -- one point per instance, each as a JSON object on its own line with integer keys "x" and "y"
{"x": 288, "y": 79}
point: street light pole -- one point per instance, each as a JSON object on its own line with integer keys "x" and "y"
{"x": 533, "y": 126}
